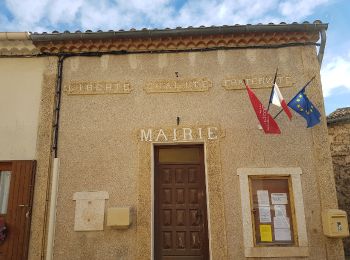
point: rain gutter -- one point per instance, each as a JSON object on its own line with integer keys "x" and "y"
{"x": 14, "y": 36}
{"x": 179, "y": 32}
{"x": 322, "y": 46}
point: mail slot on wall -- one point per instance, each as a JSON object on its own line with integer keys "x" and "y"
{"x": 118, "y": 217}
{"x": 335, "y": 223}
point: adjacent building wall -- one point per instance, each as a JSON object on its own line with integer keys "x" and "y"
{"x": 37, "y": 243}
{"x": 339, "y": 135}
{"x": 27, "y": 92}
{"x": 20, "y": 93}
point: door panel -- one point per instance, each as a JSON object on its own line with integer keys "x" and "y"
{"x": 18, "y": 215}
{"x": 181, "y": 230}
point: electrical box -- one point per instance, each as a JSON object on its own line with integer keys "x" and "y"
{"x": 119, "y": 217}
{"x": 335, "y": 223}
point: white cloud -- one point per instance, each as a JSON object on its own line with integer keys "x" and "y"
{"x": 27, "y": 13}
{"x": 335, "y": 74}
{"x": 64, "y": 11}
{"x": 205, "y": 12}
{"x": 298, "y": 9}
{"x": 46, "y": 15}
{"x": 124, "y": 14}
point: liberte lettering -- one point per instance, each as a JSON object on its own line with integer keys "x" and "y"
{"x": 96, "y": 88}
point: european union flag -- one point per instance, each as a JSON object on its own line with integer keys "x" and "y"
{"x": 302, "y": 105}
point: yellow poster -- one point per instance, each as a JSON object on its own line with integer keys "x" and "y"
{"x": 265, "y": 233}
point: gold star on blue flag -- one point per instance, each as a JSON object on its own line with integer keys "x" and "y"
{"x": 303, "y": 106}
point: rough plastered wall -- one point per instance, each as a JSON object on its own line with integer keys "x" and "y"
{"x": 43, "y": 155}
{"x": 20, "y": 90}
{"x": 339, "y": 135}
{"x": 100, "y": 149}
{"x": 26, "y": 110}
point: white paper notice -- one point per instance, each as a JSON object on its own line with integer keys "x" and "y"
{"x": 282, "y": 234}
{"x": 264, "y": 214}
{"x": 279, "y": 198}
{"x": 280, "y": 210}
{"x": 281, "y": 222}
{"x": 263, "y": 198}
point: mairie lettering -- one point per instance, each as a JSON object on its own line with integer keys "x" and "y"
{"x": 178, "y": 134}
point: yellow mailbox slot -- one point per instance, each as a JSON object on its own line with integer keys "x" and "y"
{"x": 118, "y": 217}
{"x": 335, "y": 223}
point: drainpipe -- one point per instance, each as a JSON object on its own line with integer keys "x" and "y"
{"x": 322, "y": 46}
{"x": 58, "y": 104}
{"x": 53, "y": 179}
{"x": 52, "y": 212}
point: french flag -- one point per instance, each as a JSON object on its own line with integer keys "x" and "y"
{"x": 276, "y": 98}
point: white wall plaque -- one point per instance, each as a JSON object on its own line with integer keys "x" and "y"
{"x": 89, "y": 210}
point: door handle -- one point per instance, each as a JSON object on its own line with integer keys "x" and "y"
{"x": 23, "y": 205}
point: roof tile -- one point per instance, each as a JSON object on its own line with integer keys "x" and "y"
{"x": 339, "y": 115}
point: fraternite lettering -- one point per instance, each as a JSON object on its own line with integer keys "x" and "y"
{"x": 236, "y": 82}
{"x": 185, "y": 134}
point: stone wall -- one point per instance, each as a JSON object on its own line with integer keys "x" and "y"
{"x": 100, "y": 149}
{"x": 339, "y": 135}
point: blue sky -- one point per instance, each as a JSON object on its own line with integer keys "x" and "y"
{"x": 72, "y": 15}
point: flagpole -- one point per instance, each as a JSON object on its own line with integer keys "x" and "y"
{"x": 273, "y": 84}
{"x": 295, "y": 95}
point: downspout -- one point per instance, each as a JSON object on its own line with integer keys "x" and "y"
{"x": 50, "y": 222}
{"x": 58, "y": 104}
{"x": 322, "y": 46}
{"x": 52, "y": 212}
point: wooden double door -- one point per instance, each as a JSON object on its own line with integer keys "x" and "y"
{"x": 16, "y": 196}
{"x": 180, "y": 221}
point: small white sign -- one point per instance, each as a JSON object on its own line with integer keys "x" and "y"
{"x": 264, "y": 214}
{"x": 281, "y": 222}
{"x": 279, "y": 198}
{"x": 263, "y": 198}
{"x": 89, "y": 210}
{"x": 280, "y": 210}
{"x": 283, "y": 234}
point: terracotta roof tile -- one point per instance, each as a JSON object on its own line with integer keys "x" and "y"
{"x": 339, "y": 115}
{"x": 178, "y": 39}
{"x": 178, "y": 28}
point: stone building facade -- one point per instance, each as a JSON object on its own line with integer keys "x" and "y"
{"x": 339, "y": 138}
{"x": 148, "y": 146}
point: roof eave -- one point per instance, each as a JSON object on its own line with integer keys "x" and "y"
{"x": 344, "y": 119}
{"x": 182, "y": 32}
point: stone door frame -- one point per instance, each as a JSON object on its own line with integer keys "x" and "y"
{"x": 215, "y": 199}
